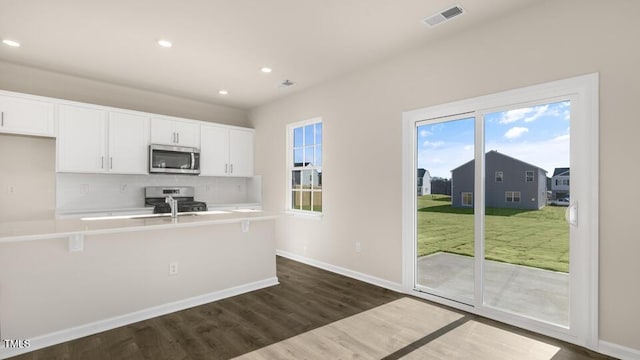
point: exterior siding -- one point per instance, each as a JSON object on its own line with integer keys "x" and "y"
{"x": 532, "y": 194}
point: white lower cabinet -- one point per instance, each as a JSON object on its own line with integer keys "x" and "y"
{"x": 26, "y": 116}
{"x": 98, "y": 141}
{"x": 226, "y": 152}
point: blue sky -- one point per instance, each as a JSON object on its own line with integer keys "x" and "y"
{"x": 538, "y": 135}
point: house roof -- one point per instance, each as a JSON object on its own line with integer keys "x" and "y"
{"x": 495, "y": 152}
{"x": 561, "y": 171}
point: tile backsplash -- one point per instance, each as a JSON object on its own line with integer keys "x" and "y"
{"x": 108, "y": 191}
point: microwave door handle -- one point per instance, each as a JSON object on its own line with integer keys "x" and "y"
{"x": 193, "y": 161}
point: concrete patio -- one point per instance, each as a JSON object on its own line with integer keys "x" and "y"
{"x": 532, "y": 292}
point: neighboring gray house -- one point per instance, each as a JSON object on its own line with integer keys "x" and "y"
{"x": 440, "y": 186}
{"x": 560, "y": 183}
{"x": 424, "y": 182}
{"x": 307, "y": 178}
{"x": 509, "y": 183}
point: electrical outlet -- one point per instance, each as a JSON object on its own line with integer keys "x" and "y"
{"x": 173, "y": 268}
{"x": 358, "y": 246}
{"x": 84, "y": 188}
{"x": 10, "y": 189}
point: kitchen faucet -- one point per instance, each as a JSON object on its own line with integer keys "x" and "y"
{"x": 173, "y": 204}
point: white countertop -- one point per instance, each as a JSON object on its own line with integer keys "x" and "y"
{"x": 60, "y": 228}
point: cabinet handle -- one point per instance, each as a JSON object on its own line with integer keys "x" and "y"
{"x": 226, "y": 168}
{"x": 178, "y": 138}
{"x": 110, "y": 162}
{"x": 173, "y": 138}
{"x": 102, "y": 162}
{"x": 2, "y": 119}
{"x": 232, "y": 168}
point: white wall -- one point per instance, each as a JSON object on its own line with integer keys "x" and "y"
{"x": 68, "y": 87}
{"x": 27, "y": 177}
{"x": 361, "y": 111}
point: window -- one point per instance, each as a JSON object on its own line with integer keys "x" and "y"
{"x": 467, "y": 199}
{"x": 528, "y": 176}
{"x": 499, "y": 175}
{"x": 304, "y": 166}
{"x": 512, "y": 196}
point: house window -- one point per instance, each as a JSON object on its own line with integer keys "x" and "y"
{"x": 499, "y": 175}
{"x": 467, "y": 199}
{"x": 512, "y": 196}
{"x": 304, "y": 166}
{"x": 528, "y": 176}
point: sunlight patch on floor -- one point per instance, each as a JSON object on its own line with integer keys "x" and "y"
{"x": 400, "y": 328}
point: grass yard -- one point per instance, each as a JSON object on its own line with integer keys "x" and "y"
{"x": 538, "y": 238}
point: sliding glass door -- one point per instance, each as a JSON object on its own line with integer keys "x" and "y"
{"x": 445, "y": 235}
{"x": 492, "y": 216}
{"x": 527, "y": 191}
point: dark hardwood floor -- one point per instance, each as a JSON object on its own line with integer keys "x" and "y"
{"x": 307, "y": 298}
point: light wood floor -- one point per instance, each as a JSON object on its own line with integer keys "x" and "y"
{"x": 314, "y": 314}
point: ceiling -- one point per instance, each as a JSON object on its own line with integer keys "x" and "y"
{"x": 222, "y": 44}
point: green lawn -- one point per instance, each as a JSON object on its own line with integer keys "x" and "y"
{"x": 538, "y": 238}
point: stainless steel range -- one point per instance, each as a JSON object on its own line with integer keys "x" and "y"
{"x": 180, "y": 198}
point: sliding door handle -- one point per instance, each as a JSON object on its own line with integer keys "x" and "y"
{"x": 571, "y": 214}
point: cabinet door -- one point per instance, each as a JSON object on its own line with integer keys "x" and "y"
{"x": 24, "y": 116}
{"x": 81, "y": 139}
{"x": 163, "y": 132}
{"x": 214, "y": 151}
{"x": 241, "y": 153}
{"x": 128, "y": 143}
{"x": 188, "y": 134}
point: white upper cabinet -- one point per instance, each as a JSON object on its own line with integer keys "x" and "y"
{"x": 214, "y": 151}
{"x": 97, "y": 141}
{"x": 226, "y": 152}
{"x": 128, "y": 143}
{"x": 241, "y": 152}
{"x": 82, "y": 139}
{"x": 26, "y": 116}
{"x": 175, "y": 132}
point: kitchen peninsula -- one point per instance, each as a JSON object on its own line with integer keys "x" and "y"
{"x": 71, "y": 277}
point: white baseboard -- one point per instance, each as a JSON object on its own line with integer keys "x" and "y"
{"x": 619, "y": 351}
{"x": 343, "y": 271}
{"x": 122, "y": 320}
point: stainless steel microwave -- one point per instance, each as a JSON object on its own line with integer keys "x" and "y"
{"x": 167, "y": 159}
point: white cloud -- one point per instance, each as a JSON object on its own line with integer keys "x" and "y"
{"x": 525, "y": 114}
{"x": 425, "y": 133}
{"x": 561, "y": 137}
{"x": 515, "y": 132}
{"x": 433, "y": 144}
{"x": 468, "y": 147}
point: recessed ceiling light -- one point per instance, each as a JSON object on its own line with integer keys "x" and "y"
{"x": 223, "y": 92}
{"x": 266, "y": 70}
{"x": 11, "y": 43}
{"x": 165, "y": 43}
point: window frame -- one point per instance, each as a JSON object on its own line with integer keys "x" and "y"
{"x": 501, "y": 176}
{"x": 291, "y": 168}
{"x": 526, "y": 176}
{"x": 512, "y": 197}
{"x": 462, "y": 194}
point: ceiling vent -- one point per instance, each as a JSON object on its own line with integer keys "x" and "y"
{"x": 443, "y": 16}
{"x": 286, "y": 83}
